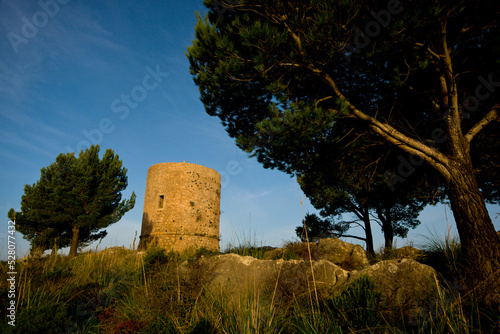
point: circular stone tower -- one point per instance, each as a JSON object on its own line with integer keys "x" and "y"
{"x": 181, "y": 207}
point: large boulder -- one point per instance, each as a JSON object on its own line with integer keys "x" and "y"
{"x": 241, "y": 276}
{"x": 348, "y": 256}
{"x": 404, "y": 284}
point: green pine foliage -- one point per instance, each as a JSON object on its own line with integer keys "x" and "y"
{"x": 73, "y": 201}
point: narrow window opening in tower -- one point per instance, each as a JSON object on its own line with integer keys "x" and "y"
{"x": 161, "y": 199}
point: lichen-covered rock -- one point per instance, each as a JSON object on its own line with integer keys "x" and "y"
{"x": 242, "y": 276}
{"x": 405, "y": 284}
{"x": 273, "y": 254}
{"x": 238, "y": 274}
{"x": 409, "y": 252}
{"x": 346, "y": 255}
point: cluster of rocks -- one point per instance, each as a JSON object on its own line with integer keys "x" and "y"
{"x": 404, "y": 284}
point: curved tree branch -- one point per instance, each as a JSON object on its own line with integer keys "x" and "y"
{"x": 490, "y": 117}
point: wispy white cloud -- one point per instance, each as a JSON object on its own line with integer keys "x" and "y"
{"x": 261, "y": 193}
{"x": 75, "y": 37}
{"x": 21, "y": 129}
{"x": 13, "y": 158}
{"x": 16, "y": 141}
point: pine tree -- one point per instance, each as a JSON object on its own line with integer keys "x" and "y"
{"x": 423, "y": 76}
{"x": 74, "y": 199}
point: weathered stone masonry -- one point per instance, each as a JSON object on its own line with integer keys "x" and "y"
{"x": 181, "y": 207}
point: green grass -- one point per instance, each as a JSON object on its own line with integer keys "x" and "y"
{"x": 444, "y": 254}
{"x": 246, "y": 247}
{"x": 248, "y": 250}
{"x": 161, "y": 292}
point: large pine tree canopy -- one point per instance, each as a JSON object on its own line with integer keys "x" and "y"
{"x": 416, "y": 84}
{"x": 272, "y": 68}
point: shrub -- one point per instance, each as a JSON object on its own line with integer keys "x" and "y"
{"x": 48, "y": 316}
{"x": 155, "y": 257}
{"x": 296, "y": 250}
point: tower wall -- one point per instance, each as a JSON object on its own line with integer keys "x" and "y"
{"x": 181, "y": 207}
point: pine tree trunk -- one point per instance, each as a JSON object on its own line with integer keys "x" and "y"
{"x": 388, "y": 234}
{"x": 387, "y": 229}
{"x": 369, "y": 237}
{"x": 74, "y": 242}
{"x": 479, "y": 240}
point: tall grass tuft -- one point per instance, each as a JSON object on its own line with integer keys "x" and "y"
{"x": 451, "y": 313}
{"x": 444, "y": 254}
{"x": 247, "y": 247}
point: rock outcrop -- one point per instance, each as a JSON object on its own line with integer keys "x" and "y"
{"x": 404, "y": 284}
{"x": 240, "y": 276}
{"x": 409, "y": 252}
{"x": 348, "y": 256}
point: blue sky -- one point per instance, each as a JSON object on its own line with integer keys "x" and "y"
{"x": 114, "y": 73}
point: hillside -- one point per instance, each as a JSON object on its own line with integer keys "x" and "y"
{"x": 246, "y": 290}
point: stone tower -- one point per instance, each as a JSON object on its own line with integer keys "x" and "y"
{"x": 181, "y": 207}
